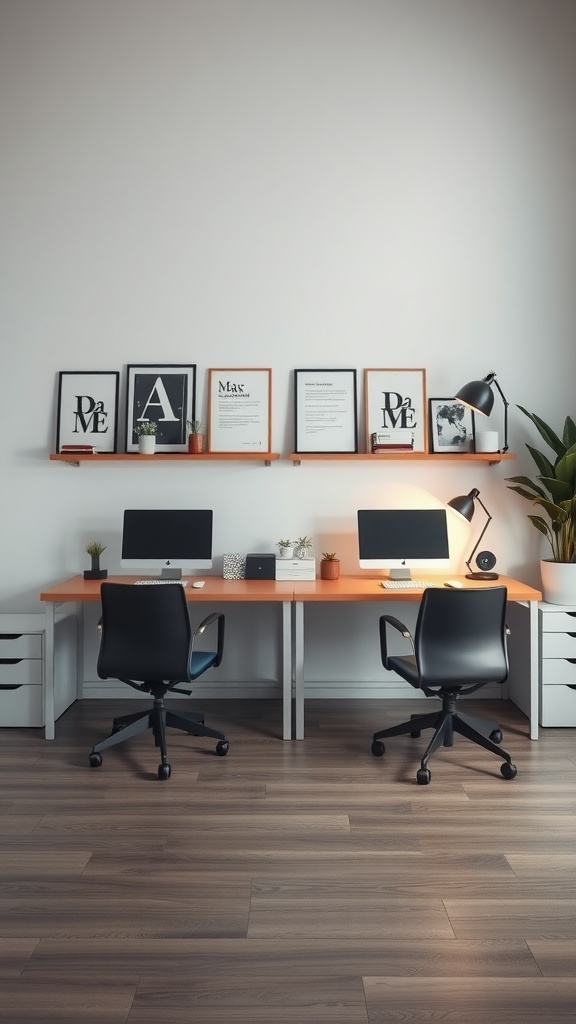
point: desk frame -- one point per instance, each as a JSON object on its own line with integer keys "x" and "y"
{"x": 292, "y": 597}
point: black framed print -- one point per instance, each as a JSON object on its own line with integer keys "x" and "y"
{"x": 451, "y": 426}
{"x": 164, "y": 395}
{"x": 395, "y": 410}
{"x": 325, "y": 411}
{"x": 87, "y": 417}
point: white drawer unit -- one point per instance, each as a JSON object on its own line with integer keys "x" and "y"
{"x": 557, "y": 665}
{"x": 22, "y": 643}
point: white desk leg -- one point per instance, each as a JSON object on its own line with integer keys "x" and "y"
{"x": 79, "y": 650}
{"x": 298, "y": 612}
{"x": 534, "y": 669}
{"x": 48, "y": 696}
{"x": 287, "y": 670}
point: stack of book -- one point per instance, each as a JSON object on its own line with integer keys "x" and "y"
{"x": 392, "y": 441}
{"x": 78, "y": 449}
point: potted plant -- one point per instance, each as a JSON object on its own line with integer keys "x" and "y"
{"x": 329, "y": 566}
{"x": 196, "y": 437}
{"x": 95, "y": 548}
{"x": 302, "y": 547}
{"x": 554, "y": 490}
{"x": 146, "y": 432}
{"x": 285, "y": 548}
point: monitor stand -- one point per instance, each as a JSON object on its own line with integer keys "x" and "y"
{"x": 400, "y": 574}
{"x": 173, "y": 573}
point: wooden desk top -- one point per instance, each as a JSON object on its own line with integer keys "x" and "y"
{"x": 367, "y": 588}
{"x": 347, "y": 588}
{"x": 215, "y": 589}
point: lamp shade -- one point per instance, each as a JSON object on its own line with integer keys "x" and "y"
{"x": 478, "y": 395}
{"x": 464, "y": 504}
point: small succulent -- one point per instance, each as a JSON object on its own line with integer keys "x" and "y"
{"x": 329, "y": 556}
{"x": 304, "y": 542}
{"x": 285, "y": 543}
{"x": 146, "y": 429}
{"x": 94, "y": 548}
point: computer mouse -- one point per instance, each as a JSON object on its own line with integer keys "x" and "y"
{"x": 455, "y": 584}
{"x": 198, "y": 584}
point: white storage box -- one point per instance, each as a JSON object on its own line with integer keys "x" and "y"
{"x": 295, "y": 569}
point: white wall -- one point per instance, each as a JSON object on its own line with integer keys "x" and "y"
{"x": 285, "y": 183}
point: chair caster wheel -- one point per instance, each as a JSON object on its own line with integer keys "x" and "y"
{"x": 377, "y": 748}
{"x": 95, "y": 759}
{"x": 164, "y": 771}
{"x": 508, "y": 771}
{"x": 496, "y": 736}
{"x": 222, "y": 748}
{"x": 416, "y": 734}
{"x": 423, "y": 776}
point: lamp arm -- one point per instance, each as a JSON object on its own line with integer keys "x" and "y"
{"x": 491, "y": 379}
{"x": 482, "y": 532}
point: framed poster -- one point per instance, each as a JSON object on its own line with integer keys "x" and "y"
{"x": 396, "y": 410}
{"x": 451, "y": 426}
{"x": 325, "y": 411}
{"x": 239, "y": 410}
{"x": 87, "y": 410}
{"x": 164, "y": 395}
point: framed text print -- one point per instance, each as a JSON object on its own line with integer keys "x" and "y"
{"x": 325, "y": 411}
{"x": 239, "y": 410}
{"x": 164, "y": 395}
{"x": 451, "y": 426}
{"x": 87, "y": 411}
{"x": 396, "y": 410}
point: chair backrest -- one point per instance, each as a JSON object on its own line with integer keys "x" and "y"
{"x": 460, "y": 637}
{"x": 146, "y": 633}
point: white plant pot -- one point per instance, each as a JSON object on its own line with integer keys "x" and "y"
{"x": 285, "y": 552}
{"x": 147, "y": 444}
{"x": 558, "y": 581}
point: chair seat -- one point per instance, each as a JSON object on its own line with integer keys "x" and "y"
{"x": 201, "y": 661}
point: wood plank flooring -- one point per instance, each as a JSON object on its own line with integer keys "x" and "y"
{"x": 288, "y": 882}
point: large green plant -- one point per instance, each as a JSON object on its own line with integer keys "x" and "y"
{"x": 554, "y": 488}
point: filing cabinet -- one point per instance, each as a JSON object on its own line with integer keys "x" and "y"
{"x": 22, "y": 641}
{"x": 557, "y": 665}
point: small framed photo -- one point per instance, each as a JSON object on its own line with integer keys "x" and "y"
{"x": 325, "y": 411}
{"x": 451, "y": 426}
{"x": 396, "y": 410}
{"x": 240, "y": 410}
{"x": 87, "y": 410}
{"x": 164, "y": 395}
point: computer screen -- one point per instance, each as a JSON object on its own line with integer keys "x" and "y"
{"x": 167, "y": 540}
{"x": 401, "y": 539}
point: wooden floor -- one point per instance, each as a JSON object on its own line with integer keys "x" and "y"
{"x": 289, "y": 881}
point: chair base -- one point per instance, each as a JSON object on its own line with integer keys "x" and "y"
{"x": 445, "y": 723}
{"x": 157, "y": 718}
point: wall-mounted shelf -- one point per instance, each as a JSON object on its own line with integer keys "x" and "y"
{"x": 491, "y": 457}
{"x": 74, "y": 458}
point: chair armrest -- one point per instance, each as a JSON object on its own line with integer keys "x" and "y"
{"x": 208, "y": 621}
{"x": 384, "y": 622}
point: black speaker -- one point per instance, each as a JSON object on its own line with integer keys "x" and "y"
{"x": 261, "y": 567}
{"x": 485, "y": 560}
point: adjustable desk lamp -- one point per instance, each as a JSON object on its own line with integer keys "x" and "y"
{"x": 463, "y": 505}
{"x": 478, "y": 395}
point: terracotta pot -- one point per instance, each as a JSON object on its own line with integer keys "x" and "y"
{"x": 197, "y": 444}
{"x": 330, "y": 569}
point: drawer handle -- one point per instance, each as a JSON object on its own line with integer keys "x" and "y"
{"x": 10, "y": 636}
{"x": 10, "y": 686}
{"x": 571, "y": 634}
{"x": 10, "y": 661}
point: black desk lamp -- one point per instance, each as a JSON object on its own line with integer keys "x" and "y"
{"x": 479, "y": 396}
{"x": 464, "y": 506}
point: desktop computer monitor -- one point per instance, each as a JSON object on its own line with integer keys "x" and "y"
{"x": 168, "y": 541}
{"x": 403, "y": 539}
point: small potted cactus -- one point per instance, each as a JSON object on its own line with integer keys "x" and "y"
{"x": 196, "y": 437}
{"x": 302, "y": 547}
{"x": 329, "y": 566}
{"x": 94, "y": 548}
{"x": 285, "y": 548}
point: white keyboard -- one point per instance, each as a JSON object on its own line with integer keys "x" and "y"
{"x": 159, "y": 583}
{"x": 407, "y": 584}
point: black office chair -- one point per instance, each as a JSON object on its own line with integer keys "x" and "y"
{"x": 147, "y": 642}
{"x": 459, "y": 645}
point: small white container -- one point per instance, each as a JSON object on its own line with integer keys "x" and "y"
{"x": 487, "y": 441}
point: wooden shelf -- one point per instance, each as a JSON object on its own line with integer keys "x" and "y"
{"x": 74, "y": 458}
{"x": 491, "y": 457}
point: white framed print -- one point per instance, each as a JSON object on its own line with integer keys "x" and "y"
{"x": 325, "y": 411}
{"x": 395, "y": 403}
{"x": 87, "y": 410}
{"x": 239, "y": 409}
{"x": 164, "y": 395}
{"x": 451, "y": 426}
